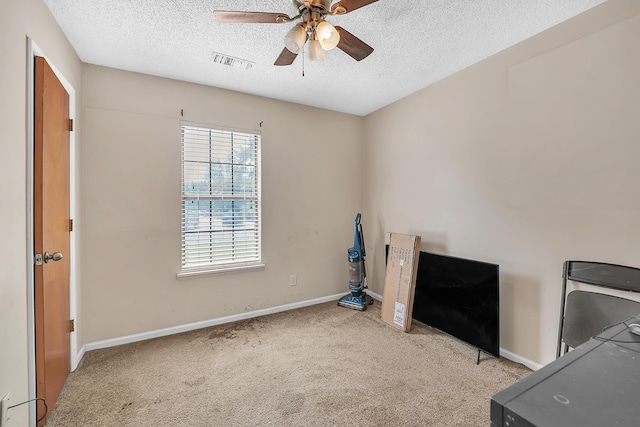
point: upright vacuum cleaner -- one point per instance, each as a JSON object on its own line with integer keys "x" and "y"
{"x": 357, "y": 299}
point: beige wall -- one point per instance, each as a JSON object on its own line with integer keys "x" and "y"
{"x": 526, "y": 159}
{"x": 311, "y": 181}
{"x": 19, "y": 20}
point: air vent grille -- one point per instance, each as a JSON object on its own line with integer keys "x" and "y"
{"x": 231, "y": 61}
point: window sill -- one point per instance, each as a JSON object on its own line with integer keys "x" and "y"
{"x": 219, "y": 270}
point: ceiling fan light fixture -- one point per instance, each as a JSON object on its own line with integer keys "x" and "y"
{"x": 316, "y": 52}
{"x": 328, "y": 36}
{"x": 311, "y": 27}
{"x": 295, "y": 38}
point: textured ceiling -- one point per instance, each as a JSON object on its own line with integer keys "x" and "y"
{"x": 416, "y": 44}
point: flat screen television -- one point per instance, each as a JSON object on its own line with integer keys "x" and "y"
{"x": 461, "y": 298}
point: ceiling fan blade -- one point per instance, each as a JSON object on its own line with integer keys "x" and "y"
{"x": 229, "y": 17}
{"x": 286, "y": 57}
{"x": 353, "y": 46}
{"x": 346, "y": 6}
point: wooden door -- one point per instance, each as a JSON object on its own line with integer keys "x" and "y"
{"x": 51, "y": 234}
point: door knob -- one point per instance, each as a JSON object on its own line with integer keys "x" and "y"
{"x": 56, "y": 256}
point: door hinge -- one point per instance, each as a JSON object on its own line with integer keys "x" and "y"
{"x": 70, "y": 125}
{"x": 70, "y": 225}
{"x": 38, "y": 259}
{"x": 72, "y": 325}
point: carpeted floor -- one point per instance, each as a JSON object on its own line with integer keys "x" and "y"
{"x": 317, "y": 366}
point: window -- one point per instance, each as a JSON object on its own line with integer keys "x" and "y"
{"x": 220, "y": 199}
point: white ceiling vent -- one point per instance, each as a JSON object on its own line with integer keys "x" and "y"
{"x": 231, "y": 61}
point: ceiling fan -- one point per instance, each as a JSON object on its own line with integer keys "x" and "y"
{"x": 313, "y": 27}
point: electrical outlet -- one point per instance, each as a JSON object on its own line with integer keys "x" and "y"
{"x": 293, "y": 280}
{"x": 4, "y": 407}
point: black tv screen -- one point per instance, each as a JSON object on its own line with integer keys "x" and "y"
{"x": 461, "y": 298}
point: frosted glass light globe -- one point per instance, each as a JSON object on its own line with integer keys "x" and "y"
{"x": 328, "y": 36}
{"x": 316, "y": 52}
{"x": 295, "y": 38}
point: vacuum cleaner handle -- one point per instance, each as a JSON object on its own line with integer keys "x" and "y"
{"x": 356, "y": 233}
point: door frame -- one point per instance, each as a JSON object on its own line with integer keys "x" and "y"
{"x": 34, "y": 50}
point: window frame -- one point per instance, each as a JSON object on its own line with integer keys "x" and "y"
{"x": 255, "y": 197}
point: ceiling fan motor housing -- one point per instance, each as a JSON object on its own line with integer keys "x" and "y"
{"x": 322, "y": 4}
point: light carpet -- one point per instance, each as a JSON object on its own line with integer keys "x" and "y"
{"x": 322, "y": 365}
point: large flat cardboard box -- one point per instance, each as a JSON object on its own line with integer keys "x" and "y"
{"x": 400, "y": 280}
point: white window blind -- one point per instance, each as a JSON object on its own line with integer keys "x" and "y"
{"x": 220, "y": 199}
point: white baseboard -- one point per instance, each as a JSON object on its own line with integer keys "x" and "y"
{"x": 203, "y": 324}
{"x": 374, "y": 295}
{"x": 519, "y": 359}
{"x": 248, "y": 315}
